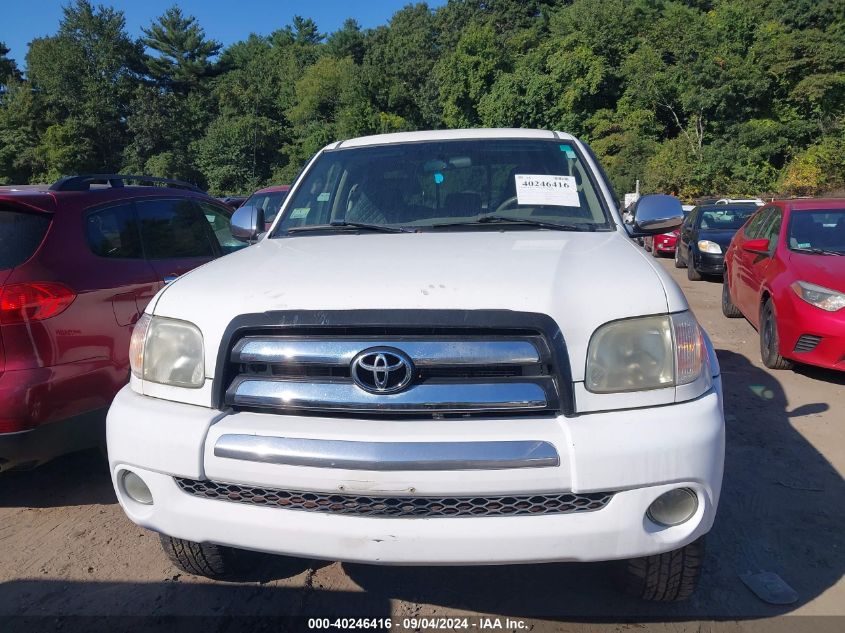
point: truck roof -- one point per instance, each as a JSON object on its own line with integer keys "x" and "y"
{"x": 450, "y": 135}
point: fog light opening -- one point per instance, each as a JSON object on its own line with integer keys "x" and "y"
{"x": 135, "y": 488}
{"x": 673, "y": 507}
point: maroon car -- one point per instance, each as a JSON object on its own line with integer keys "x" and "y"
{"x": 269, "y": 200}
{"x": 79, "y": 261}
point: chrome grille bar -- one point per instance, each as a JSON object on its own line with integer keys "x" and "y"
{"x": 422, "y": 398}
{"x": 387, "y": 456}
{"x": 337, "y": 352}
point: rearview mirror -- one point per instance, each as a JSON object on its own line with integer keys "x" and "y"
{"x": 655, "y": 213}
{"x": 759, "y": 246}
{"x": 247, "y": 224}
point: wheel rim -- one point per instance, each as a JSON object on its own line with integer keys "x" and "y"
{"x": 768, "y": 331}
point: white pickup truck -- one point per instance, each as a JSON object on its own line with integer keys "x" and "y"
{"x": 446, "y": 350}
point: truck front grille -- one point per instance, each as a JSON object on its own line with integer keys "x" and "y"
{"x": 458, "y": 374}
{"x": 407, "y": 507}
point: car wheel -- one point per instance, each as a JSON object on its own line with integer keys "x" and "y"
{"x": 654, "y": 252}
{"x": 728, "y": 307}
{"x": 202, "y": 559}
{"x": 769, "y": 341}
{"x": 667, "y": 577}
{"x": 678, "y": 262}
{"x": 692, "y": 273}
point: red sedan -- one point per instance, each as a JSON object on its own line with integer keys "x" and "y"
{"x": 663, "y": 244}
{"x": 785, "y": 273}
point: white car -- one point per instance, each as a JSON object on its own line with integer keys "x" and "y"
{"x": 461, "y": 360}
{"x": 756, "y": 201}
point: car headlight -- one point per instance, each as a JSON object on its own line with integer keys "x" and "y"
{"x": 819, "y": 296}
{"x": 167, "y": 351}
{"x": 645, "y": 353}
{"x": 706, "y": 246}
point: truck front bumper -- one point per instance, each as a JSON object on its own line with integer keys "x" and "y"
{"x": 635, "y": 454}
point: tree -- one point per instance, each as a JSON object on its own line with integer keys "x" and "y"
{"x": 184, "y": 53}
{"x": 236, "y": 154}
{"x": 83, "y": 78}
{"x": 348, "y": 41}
{"x": 398, "y": 63}
{"x": 18, "y": 134}
{"x": 8, "y": 68}
{"x": 466, "y": 75}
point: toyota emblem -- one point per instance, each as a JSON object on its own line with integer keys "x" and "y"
{"x": 382, "y": 370}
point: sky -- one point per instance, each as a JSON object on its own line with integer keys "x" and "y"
{"x": 226, "y": 21}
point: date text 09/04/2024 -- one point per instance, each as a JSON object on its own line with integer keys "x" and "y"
{"x": 445, "y": 623}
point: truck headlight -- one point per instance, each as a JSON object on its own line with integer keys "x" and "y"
{"x": 819, "y": 296}
{"x": 645, "y": 353}
{"x": 706, "y": 246}
{"x": 167, "y": 351}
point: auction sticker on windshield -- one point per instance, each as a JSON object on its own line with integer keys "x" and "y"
{"x": 543, "y": 189}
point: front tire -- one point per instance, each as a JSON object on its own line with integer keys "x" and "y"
{"x": 202, "y": 559}
{"x": 654, "y": 252}
{"x": 728, "y": 307}
{"x": 692, "y": 273}
{"x": 667, "y": 577}
{"x": 678, "y": 262}
{"x": 769, "y": 339}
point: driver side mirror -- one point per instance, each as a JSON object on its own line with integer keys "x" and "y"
{"x": 247, "y": 224}
{"x": 655, "y": 213}
{"x": 758, "y": 246}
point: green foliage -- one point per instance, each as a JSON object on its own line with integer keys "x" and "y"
{"x": 8, "y": 68}
{"x": 237, "y": 153}
{"x": 697, "y": 97}
{"x": 184, "y": 53}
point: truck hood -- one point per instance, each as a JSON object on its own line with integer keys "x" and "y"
{"x": 581, "y": 280}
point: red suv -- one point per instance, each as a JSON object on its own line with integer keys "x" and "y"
{"x": 79, "y": 261}
{"x": 785, "y": 272}
{"x": 269, "y": 200}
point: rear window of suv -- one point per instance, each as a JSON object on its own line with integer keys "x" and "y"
{"x": 20, "y": 235}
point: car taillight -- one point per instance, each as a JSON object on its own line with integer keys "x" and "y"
{"x": 33, "y": 301}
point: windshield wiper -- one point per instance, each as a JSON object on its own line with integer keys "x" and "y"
{"x": 500, "y": 219}
{"x": 345, "y": 224}
{"x": 818, "y": 251}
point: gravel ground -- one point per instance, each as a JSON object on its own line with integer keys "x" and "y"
{"x": 66, "y": 548}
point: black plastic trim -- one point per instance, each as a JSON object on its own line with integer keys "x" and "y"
{"x": 51, "y": 439}
{"x": 83, "y": 182}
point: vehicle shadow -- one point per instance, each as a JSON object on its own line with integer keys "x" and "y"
{"x": 819, "y": 373}
{"x": 76, "y": 479}
{"x": 781, "y": 511}
{"x": 173, "y": 606}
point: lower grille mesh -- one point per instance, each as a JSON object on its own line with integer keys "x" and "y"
{"x": 807, "y": 343}
{"x": 359, "y": 505}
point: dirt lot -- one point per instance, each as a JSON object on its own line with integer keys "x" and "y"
{"x": 66, "y": 548}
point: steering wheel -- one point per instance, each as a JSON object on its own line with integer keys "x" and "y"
{"x": 506, "y": 204}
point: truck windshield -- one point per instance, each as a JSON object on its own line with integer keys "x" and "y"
{"x": 444, "y": 184}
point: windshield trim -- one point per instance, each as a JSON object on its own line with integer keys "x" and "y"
{"x": 590, "y": 169}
